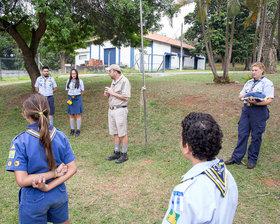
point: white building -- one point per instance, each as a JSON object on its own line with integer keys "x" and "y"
{"x": 161, "y": 54}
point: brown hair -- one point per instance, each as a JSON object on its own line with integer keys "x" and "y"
{"x": 36, "y": 107}
{"x": 260, "y": 66}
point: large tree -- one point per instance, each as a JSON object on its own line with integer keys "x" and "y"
{"x": 118, "y": 20}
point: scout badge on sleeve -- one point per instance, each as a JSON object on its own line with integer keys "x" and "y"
{"x": 69, "y": 102}
{"x": 219, "y": 175}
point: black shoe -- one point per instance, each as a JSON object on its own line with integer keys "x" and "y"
{"x": 116, "y": 155}
{"x": 230, "y": 161}
{"x": 123, "y": 158}
{"x": 77, "y": 133}
{"x": 72, "y": 132}
{"x": 251, "y": 165}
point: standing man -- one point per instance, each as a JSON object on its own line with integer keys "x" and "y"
{"x": 119, "y": 94}
{"x": 46, "y": 86}
{"x": 207, "y": 192}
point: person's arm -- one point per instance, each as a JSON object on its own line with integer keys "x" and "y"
{"x": 262, "y": 103}
{"x": 40, "y": 183}
{"x": 82, "y": 93}
{"x": 240, "y": 97}
{"x": 36, "y": 90}
{"x": 54, "y": 90}
{"x": 24, "y": 179}
{"x": 110, "y": 91}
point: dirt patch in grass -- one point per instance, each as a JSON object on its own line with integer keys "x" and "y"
{"x": 18, "y": 101}
{"x": 271, "y": 182}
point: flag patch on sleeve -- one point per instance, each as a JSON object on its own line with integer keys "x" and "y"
{"x": 172, "y": 217}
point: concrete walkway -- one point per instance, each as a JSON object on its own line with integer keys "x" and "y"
{"x": 158, "y": 74}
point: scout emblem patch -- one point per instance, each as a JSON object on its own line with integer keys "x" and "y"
{"x": 219, "y": 175}
{"x": 13, "y": 146}
{"x": 69, "y": 102}
{"x": 172, "y": 217}
{"x": 16, "y": 163}
{"x": 12, "y": 154}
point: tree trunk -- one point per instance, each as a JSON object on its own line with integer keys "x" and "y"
{"x": 256, "y": 35}
{"x": 29, "y": 52}
{"x": 248, "y": 63}
{"x": 279, "y": 27}
{"x": 269, "y": 50}
{"x": 208, "y": 46}
{"x": 31, "y": 67}
{"x": 262, "y": 33}
{"x": 63, "y": 59}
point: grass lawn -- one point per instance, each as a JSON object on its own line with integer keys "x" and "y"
{"x": 138, "y": 190}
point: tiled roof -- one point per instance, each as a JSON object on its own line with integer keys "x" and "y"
{"x": 167, "y": 40}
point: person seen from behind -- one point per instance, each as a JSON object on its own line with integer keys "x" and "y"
{"x": 207, "y": 192}
{"x": 42, "y": 160}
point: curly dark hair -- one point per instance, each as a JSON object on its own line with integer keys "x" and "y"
{"x": 203, "y": 134}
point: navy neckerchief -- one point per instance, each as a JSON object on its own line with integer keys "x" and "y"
{"x": 219, "y": 175}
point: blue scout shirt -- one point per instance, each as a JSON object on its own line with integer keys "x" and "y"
{"x": 198, "y": 199}
{"x": 27, "y": 154}
{"x": 263, "y": 85}
{"x": 72, "y": 91}
{"x": 45, "y": 85}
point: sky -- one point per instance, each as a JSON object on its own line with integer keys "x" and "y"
{"x": 175, "y": 31}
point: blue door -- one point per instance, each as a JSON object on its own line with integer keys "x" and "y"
{"x": 109, "y": 56}
{"x": 167, "y": 61}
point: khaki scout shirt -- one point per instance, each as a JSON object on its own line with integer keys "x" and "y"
{"x": 121, "y": 86}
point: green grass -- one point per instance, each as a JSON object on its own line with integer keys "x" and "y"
{"x": 138, "y": 191}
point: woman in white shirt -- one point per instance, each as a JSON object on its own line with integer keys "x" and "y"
{"x": 75, "y": 88}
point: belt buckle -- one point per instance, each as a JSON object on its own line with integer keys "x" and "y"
{"x": 72, "y": 97}
{"x": 248, "y": 104}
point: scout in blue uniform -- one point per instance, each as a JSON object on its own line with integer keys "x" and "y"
{"x": 42, "y": 160}
{"x": 253, "y": 117}
{"x": 207, "y": 192}
{"x": 75, "y": 88}
{"x": 46, "y": 86}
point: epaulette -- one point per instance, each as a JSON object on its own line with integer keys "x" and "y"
{"x": 218, "y": 173}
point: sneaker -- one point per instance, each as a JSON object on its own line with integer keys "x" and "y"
{"x": 72, "y": 132}
{"x": 77, "y": 133}
{"x": 116, "y": 155}
{"x": 123, "y": 158}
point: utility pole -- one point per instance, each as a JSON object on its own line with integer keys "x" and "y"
{"x": 181, "y": 58}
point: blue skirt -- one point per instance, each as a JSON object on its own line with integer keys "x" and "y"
{"x": 77, "y": 105}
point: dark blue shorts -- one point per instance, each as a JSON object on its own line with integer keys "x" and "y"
{"x": 77, "y": 105}
{"x": 51, "y": 104}
{"x": 41, "y": 207}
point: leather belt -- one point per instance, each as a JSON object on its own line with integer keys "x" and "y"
{"x": 248, "y": 104}
{"x": 74, "y": 96}
{"x": 116, "y": 107}
{"x": 50, "y": 96}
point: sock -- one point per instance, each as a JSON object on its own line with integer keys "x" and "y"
{"x": 51, "y": 120}
{"x": 117, "y": 147}
{"x": 72, "y": 124}
{"x": 79, "y": 123}
{"x": 124, "y": 148}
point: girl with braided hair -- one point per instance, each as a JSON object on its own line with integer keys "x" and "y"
{"x": 42, "y": 160}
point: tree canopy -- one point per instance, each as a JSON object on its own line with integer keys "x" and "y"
{"x": 65, "y": 24}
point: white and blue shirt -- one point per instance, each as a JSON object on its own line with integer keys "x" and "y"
{"x": 72, "y": 91}
{"x": 45, "y": 85}
{"x": 198, "y": 199}
{"x": 263, "y": 85}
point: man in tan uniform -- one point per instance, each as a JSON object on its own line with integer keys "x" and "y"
{"x": 119, "y": 94}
